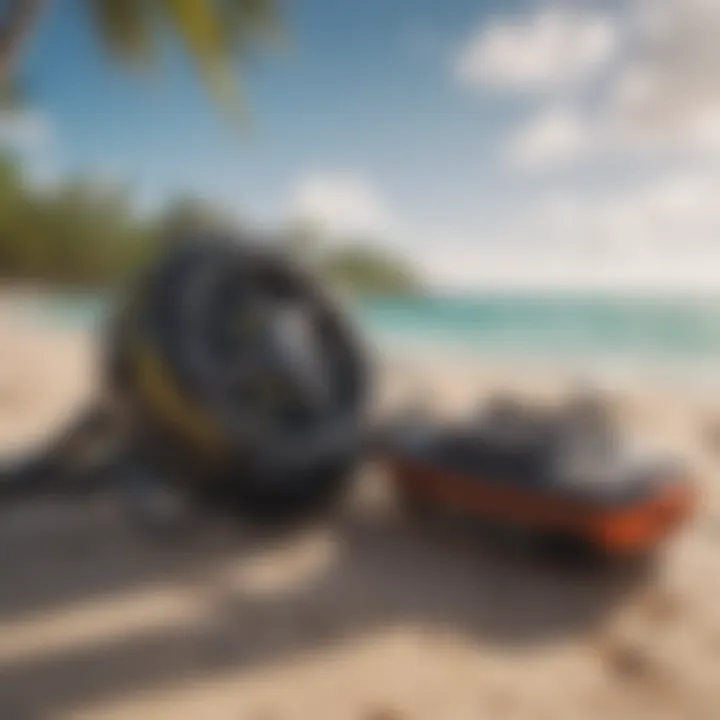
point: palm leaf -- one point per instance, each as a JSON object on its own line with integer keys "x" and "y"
{"x": 247, "y": 21}
{"x": 200, "y": 27}
{"x": 126, "y": 27}
{"x": 213, "y": 32}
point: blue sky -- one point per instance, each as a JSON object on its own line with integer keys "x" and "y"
{"x": 489, "y": 139}
{"x": 361, "y": 86}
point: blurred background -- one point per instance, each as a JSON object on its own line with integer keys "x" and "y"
{"x": 510, "y": 195}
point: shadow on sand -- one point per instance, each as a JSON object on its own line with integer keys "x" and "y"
{"x": 385, "y": 571}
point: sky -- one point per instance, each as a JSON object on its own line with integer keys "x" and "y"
{"x": 498, "y": 144}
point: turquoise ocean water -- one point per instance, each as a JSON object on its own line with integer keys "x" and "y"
{"x": 564, "y": 330}
{"x": 553, "y": 327}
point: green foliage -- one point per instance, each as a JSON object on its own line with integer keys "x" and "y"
{"x": 85, "y": 233}
{"x": 78, "y": 233}
{"x": 365, "y": 270}
{"x": 358, "y": 268}
{"x": 214, "y": 33}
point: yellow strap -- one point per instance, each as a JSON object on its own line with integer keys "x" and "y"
{"x": 158, "y": 387}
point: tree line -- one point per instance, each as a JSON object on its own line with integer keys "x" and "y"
{"x": 83, "y": 233}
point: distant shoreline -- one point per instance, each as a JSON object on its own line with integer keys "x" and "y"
{"x": 496, "y": 333}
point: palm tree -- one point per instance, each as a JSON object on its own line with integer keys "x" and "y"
{"x": 213, "y": 32}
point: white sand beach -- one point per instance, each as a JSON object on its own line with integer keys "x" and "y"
{"x": 363, "y": 617}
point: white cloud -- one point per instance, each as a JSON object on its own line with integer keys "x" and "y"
{"x": 639, "y": 87}
{"x": 666, "y": 94}
{"x": 554, "y": 137}
{"x": 342, "y": 204}
{"x": 660, "y": 98}
{"x": 644, "y": 89}
{"x": 658, "y": 236}
{"x": 550, "y": 49}
{"x": 23, "y": 129}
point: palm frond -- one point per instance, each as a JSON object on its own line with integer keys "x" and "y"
{"x": 213, "y": 32}
{"x": 249, "y": 21}
{"x": 126, "y": 27}
{"x": 200, "y": 28}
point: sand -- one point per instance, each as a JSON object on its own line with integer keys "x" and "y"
{"x": 364, "y": 616}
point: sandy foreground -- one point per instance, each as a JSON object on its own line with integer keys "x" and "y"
{"x": 366, "y": 616}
